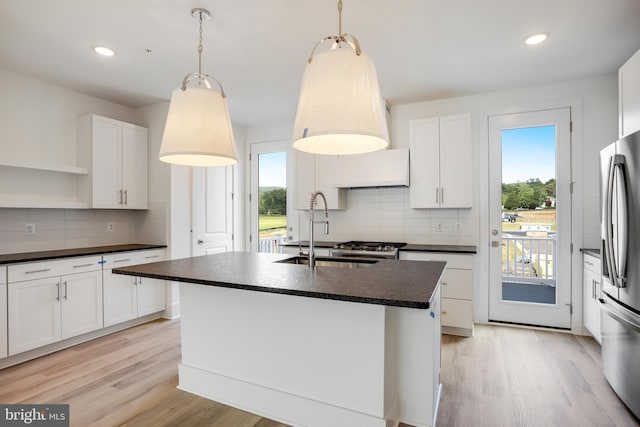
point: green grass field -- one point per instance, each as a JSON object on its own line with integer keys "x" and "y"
{"x": 272, "y": 224}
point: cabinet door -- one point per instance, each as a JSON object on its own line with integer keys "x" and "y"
{"x": 81, "y": 303}
{"x": 135, "y": 161}
{"x": 590, "y": 307}
{"x": 455, "y": 162}
{"x": 3, "y": 318}
{"x": 327, "y": 167}
{"x": 424, "y": 161}
{"x": 152, "y": 296}
{"x": 629, "y": 88}
{"x": 106, "y": 164}
{"x": 120, "y": 298}
{"x": 34, "y": 314}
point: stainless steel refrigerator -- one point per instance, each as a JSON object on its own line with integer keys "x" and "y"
{"x": 620, "y": 252}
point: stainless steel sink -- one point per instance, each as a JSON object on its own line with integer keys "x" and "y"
{"x": 331, "y": 262}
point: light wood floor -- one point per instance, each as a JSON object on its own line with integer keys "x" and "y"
{"x": 501, "y": 377}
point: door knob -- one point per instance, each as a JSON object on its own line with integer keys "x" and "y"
{"x": 494, "y": 232}
{"x": 200, "y": 241}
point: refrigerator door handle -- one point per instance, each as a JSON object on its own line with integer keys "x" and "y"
{"x": 608, "y": 238}
{"x": 623, "y": 224}
{"x": 618, "y": 315}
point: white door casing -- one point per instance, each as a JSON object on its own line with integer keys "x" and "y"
{"x": 552, "y": 315}
{"x": 212, "y": 210}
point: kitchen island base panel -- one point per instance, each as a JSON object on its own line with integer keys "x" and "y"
{"x": 308, "y": 361}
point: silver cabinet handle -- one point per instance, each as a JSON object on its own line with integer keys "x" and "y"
{"x": 120, "y": 201}
{"x": 444, "y": 283}
{"x": 44, "y": 270}
{"x": 126, "y": 198}
{"x": 436, "y": 195}
{"x": 58, "y": 293}
{"x": 441, "y": 194}
{"x": 588, "y": 263}
{"x": 65, "y": 289}
{"x": 122, "y": 260}
{"x": 83, "y": 265}
{"x": 152, "y": 256}
{"x": 443, "y": 312}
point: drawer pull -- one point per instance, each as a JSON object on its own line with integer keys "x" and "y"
{"x": 444, "y": 283}
{"x": 83, "y": 265}
{"x": 44, "y": 270}
{"x": 152, "y": 256}
{"x": 443, "y": 312}
{"x": 122, "y": 260}
{"x": 588, "y": 263}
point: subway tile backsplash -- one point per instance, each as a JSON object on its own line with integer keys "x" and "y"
{"x": 383, "y": 214}
{"x": 64, "y": 228}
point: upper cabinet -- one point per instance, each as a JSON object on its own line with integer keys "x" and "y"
{"x": 116, "y": 154}
{"x": 316, "y": 172}
{"x": 629, "y": 96}
{"x": 441, "y": 162}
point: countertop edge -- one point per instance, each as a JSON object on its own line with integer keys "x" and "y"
{"x": 17, "y": 258}
{"x": 410, "y": 247}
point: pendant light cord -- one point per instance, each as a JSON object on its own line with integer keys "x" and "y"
{"x": 339, "y": 19}
{"x": 200, "y": 51}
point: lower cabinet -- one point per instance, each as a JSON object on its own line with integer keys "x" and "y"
{"x": 3, "y": 312}
{"x": 457, "y": 289}
{"x": 590, "y": 292}
{"x": 129, "y": 297}
{"x": 47, "y": 310}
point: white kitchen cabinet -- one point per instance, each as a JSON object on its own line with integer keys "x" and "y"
{"x": 3, "y": 312}
{"x": 116, "y": 154}
{"x": 129, "y": 297}
{"x": 317, "y": 173}
{"x": 457, "y": 289}
{"x": 441, "y": 162}
{"x": 45, "y": 310}
{"x": 590, "y": 293}
{"x": 629, "y": 96}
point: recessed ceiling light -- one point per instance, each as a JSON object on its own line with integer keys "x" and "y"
{"x": 536, "y": 38}
{"x": 104, "y": 51}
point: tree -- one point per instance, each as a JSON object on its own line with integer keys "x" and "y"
{"x": 273, "y": 202}
{"x": 550, "y": 187}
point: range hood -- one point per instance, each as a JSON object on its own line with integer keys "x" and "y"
{"x": 384, "y": 168}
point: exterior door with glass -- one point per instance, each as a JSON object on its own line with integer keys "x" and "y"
{"x": 530, "y": 218}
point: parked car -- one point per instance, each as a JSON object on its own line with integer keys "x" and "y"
{"x": 507, "y": 217}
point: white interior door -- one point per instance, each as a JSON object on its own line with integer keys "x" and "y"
{"x": 212, "y": 210}
{"x": 530, "y": 245}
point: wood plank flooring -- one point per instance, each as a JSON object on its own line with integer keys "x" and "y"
{"x": 502, "y": 377}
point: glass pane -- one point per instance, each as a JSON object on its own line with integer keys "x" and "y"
{"x": 529, "y": 214}
{"x": 272, "y": 200}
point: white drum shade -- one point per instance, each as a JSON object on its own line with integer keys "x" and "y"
{"x": 198, "y": 129}
{"x": 340, "y": 109}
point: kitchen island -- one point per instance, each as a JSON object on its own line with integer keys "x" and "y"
{"x": 330, "y": 346}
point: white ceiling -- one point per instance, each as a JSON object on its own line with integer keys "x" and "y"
{"x": 423, "y": 49}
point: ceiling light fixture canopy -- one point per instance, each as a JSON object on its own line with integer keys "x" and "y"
{"x": 340, "y": 109}
{"x": 198, "y": 130}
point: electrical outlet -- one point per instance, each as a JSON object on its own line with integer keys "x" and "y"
{"x": 29, "y": 229}
{"x": 111, "y": 226}
{"x": 438, "y": 227}
{"x": 458, "y": 227}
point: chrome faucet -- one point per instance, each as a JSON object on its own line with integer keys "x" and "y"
{"x": 314, "y": 196}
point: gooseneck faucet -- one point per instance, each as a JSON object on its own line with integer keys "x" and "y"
{"x": 314, "y": 196}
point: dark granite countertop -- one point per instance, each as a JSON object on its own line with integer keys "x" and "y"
{"x": 68, "y": 253}
{"x": 440, "y": 248}
{"x": 592, "y": 252}
{"x": 408, "y": 247}
{"x": 387, "y": 282}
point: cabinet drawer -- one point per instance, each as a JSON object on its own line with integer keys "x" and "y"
{"x": 125, "y": 259}
{"x": 457, "y": 284}
{"x": 457, "y": 313}
{"x": 453, "y": 260}
{"x": 591, "y": 263}
{"x": 42, "y": 269}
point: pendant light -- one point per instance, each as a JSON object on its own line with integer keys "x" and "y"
{"x": 340, "y": 109}
{"x": 198, "y": 129}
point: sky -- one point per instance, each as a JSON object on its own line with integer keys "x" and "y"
{"x": 273, "y": 169}
{"x": 528, "y": 153}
